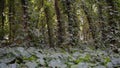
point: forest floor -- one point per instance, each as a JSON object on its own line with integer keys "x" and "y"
{"x": 74, "y": 57}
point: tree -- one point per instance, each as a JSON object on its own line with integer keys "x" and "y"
{"x": 60, "y": 22}
{"x": 112, "y": 24}
{"x": 92, "y": 27}
{"x": 11, "y": 19}
{"x": 49, "y": 21}
{"x": 73, "y": 25}
{"x": 2, "y": 18}
{"x": 25, "y": 13}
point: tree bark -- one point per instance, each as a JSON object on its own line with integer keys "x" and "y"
{"x": 2, "y": 18}
{"x": 101, "y": 20}
{"x": 92, "y": 27}
{"x": 73, "y": 26}
{"x": 60, "y": 24}
{"x": 11, "y": 19}
{"x": 25, "y": 13}
{"x": 49, "y": 22}
{"x": 112, "y": 25}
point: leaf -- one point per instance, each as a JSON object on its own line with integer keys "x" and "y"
{"x": 100, "y": 66}
{"x": 56, "y": 63}
{"x": 23, "y": 52}
{"x": 109, "y": 65}
{"x": 83, "y": 59}
{"x": 7, "y": 58}
{"x": 32, "y": 58}
{"x": 3, "y": 65}
{"x": 39, "y": 55}
{"x": 106, "y": 60}
{"x": 80, "y": 65}
{"x": 31, "y": 64}
{"x": 13, "y": 65}
{"x": 41, "y": 61}
{"x": 115, "y": 61}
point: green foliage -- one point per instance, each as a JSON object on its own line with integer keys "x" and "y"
{"x": 106, "y": 60}
{"x": 57, "y": 58}
{"x": 31, "y": 58}
{"x": 83, "y": 59}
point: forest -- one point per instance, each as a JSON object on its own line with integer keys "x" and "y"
{"x": 59, "y": 33}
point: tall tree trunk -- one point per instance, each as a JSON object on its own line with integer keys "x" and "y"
{"x": 2, "y": 18}
{"x": 60, "y": 23}
{"x": 101, "y": 20}
{"x": 92, "y": 27}
{"x": 25, "y": 13}
{"x": 112, "y": 25}
{"x": 72, "y": 23}
{"x": 49, "y": 22}
{"x": 11, "y": 19}
{"x": 43, "y": 28}
{"x": 90, "y": 22}
{"x": 26, "y": 17}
